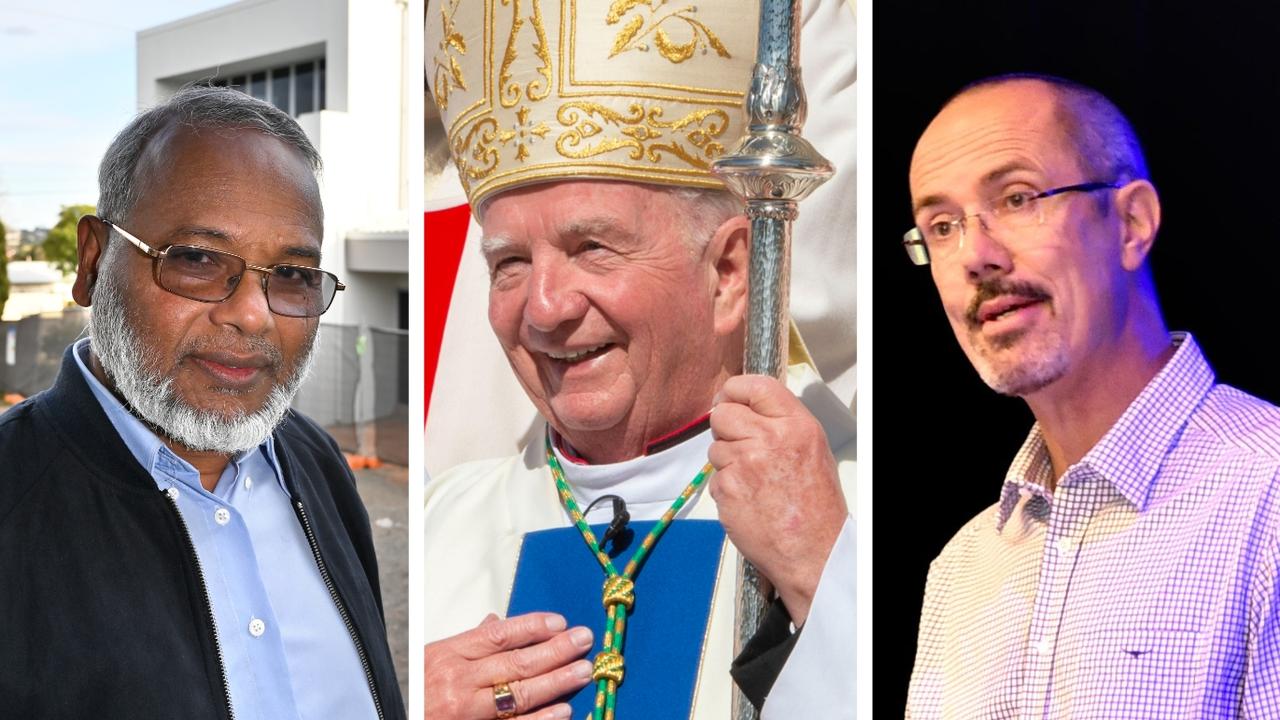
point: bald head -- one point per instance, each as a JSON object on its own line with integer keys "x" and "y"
{"x": 123, "y": 174}
{"x": 1102, "y": 137}
{"x": 1045, "y": 274}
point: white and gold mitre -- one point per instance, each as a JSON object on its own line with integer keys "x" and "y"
{"x": 539, "y": 90}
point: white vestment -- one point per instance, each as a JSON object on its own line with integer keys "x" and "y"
{"x": 477, "y": 516}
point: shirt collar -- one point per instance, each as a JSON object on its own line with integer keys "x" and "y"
{"x": 654, "y": 478}
{"x": 147, "y": 448}
{"x": 1030, "y": 473}
{"x": 568, "y": 453}
{"x": 1129, "y": 455}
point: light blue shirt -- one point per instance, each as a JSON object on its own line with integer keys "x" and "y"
{"x": 285, "y": 649}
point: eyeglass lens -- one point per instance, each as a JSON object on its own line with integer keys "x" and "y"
{"x": 211, "y": 276}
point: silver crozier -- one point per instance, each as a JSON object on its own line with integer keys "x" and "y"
{"x": 772, "y": 169}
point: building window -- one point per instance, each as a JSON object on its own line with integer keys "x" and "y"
{"x": 280, "y": 82}
{"x": 258, "y": 85}
{"x": 304, "y": 91}
{"x": 320, "y": 85}
{"x": 295, "y": 89}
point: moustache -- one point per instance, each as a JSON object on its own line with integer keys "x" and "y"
{"x": 994, "y": 288}
{"x": 238, "y": 345}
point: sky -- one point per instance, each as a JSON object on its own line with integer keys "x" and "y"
{"x": 68, "y": 83}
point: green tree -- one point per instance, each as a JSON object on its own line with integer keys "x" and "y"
{"x": 4, "y": 270}
{"x": 60, "y": 245}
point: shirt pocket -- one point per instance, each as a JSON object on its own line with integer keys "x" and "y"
{"x": 1142, "y": 673}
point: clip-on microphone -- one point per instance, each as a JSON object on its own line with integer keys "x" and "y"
{"x": 618, "y": 525}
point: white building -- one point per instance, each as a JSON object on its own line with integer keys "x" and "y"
{"x": 36, "y": 287}
{"x": 12, "y": 238}
{"x": 340, "y": 68}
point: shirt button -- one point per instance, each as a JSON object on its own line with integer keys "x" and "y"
{"x": 222, "y": 515}
{"x": 1065, "y": 546}
{"x": 1042, "y": 646}
{"x": 257, "y": 627}
{"x": 248, "y": 483}
{"x": 172, "y": 493}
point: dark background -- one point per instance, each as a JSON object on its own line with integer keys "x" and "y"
{"x": 1202, "y": 91}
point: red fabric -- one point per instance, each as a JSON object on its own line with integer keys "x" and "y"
{"x": 673, "y": 437}
{"x": 446, "y": 234}
{"x": 569, "y": 453}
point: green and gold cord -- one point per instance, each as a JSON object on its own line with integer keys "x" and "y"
{"x": 619, "y": 588}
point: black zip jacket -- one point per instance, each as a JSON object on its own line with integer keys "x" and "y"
{"x": 103, "y": 611}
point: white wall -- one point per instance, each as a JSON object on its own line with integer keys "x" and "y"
{"x": 360, "y": 134}
{"x": 226, "y": 37}
{"x": 377, "y": 294}
{"x": 36, "y": 287}
{"x": 375, "y": 103}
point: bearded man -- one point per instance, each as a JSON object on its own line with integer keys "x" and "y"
{"x": 178, "y": 542}
{"x": 618, "y": 271}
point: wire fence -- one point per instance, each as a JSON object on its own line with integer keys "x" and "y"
{"x": 33, "y": 349}
{"x": 358, "y": 388}
{"x": 391, "y": 394}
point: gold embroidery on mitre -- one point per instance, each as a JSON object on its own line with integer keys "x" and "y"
{"x": 639, "y": 130}
{"x": 523, "y": 133}
{"x": 508, "y": 89}
{"x": 534, "y": 90}
{"x": 448, "y": 71}
{"x": 632, "y": 34}
{"x": 477, "y": 146}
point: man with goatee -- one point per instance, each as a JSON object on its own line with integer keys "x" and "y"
{"x": 1129, "y": 565}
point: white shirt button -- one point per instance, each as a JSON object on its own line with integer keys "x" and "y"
{"x": 1065, "y": 546}
{"x": 172, "y": 493}
{"x": 222, "y": 516}
{"x": 1042, "y": 646}
{"x": 257, "y": 627}
{"x": 248, "y": 483}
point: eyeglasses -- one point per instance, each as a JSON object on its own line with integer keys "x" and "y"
{"x": 1012, "y": 211}
{"x": 208, "y": 275}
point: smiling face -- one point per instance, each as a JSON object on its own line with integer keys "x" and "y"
{"x": 219, "y": 364}
{"x": 1031, "y": 305}
{"x": 616, "y": 326}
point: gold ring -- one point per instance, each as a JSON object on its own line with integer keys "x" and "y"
{"x": 505, "y": 701}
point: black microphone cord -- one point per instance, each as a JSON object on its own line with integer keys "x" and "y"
{"x": 618, "y": 525}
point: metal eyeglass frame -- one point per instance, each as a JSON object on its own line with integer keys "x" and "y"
{"x": 158, "y": 257}
{"x": 918, "y": 251}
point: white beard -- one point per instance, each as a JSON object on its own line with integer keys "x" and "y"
{"x": 1023, "y": 366}
{"x": 151, "y": 397}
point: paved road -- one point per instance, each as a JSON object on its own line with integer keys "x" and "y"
{"x": 385, "y": 492}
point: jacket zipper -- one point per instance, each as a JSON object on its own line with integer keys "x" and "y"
{"x": 342, "y": 609}
{"x": 208, "y": 606}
